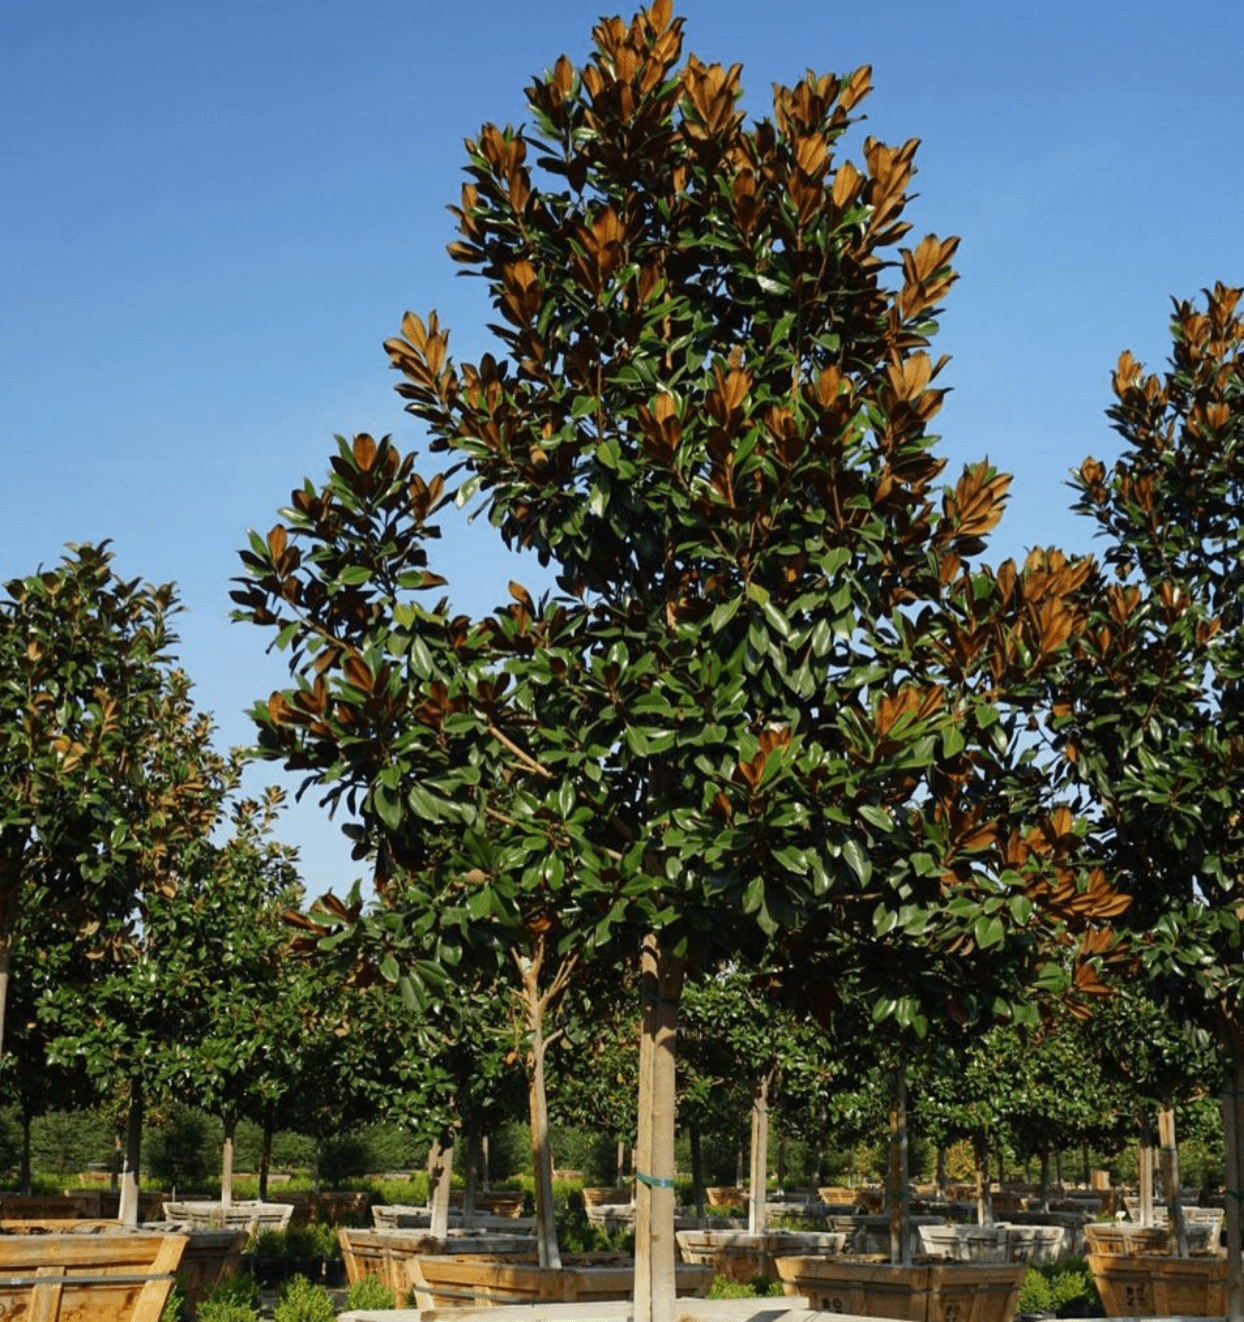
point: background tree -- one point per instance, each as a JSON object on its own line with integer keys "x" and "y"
{"x": 124, "y": 1021}
{"x": 85, "y": 703}
{"x": 1149, "y": 715}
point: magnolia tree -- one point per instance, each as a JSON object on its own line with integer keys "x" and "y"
{"x": 91, "y": 718}
{"x": 1149, "y": 707}
{"x": 770, "y": 700}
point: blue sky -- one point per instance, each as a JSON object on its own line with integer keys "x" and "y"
{"x": 214, "y": 213}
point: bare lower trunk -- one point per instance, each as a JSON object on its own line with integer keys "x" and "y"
{"x": 127, "y": 1214}
{"x": 1144, "y": 1172}
{"x": 984, "y": 1185}
{"x": 470, "y": 1184}
{"x": 485, "y": 1173}
{"x": 942, "y": 1177}
{"x": 900, "y": 1193}
{"x": 265, "y": 1154}
{"x": 24, "y": 1174}
{"x": 542, "y": 1155}
{"x": 757, "y": 1217}
{"x": 697, "y": 1169}
{"x": 6, "y": 955}
{"x": 1177, "y": 1235}
{"x": 620, "y": 1181}
{"x": 661, "y": 979}
{"x": 226, "y": 1165}
{"x": 1233, "y": 1135}
{"x": 440, "y": 1169}
{"x": 1044, "y": 1190}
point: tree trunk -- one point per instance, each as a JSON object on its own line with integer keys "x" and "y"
{"x": 1177, "y": 1241}
{"x": 984, "y": 1185}
{"x": 942, "y": 1178}
{"x": 781, "y": 1162}
{"x": 620, "y": 1181}
{"x": 484, "y": 1154}
{"x": 114, "y": 1173}
{"x": 757, "y": 1212}
{"x": 899, "y": 1190}
{"x": 127, "y": 1215}
{"x": 1058, "y": 1171}
{"x": 6, "y": 956}
{"x": 661, "y": 979}
{"x": 1233, "y": 1135}
{"x": 24, "y": 1174}
{"x": 226, "y": 1164}
{"x": 265, "y": 1152}
{"x": 1044, "y": 1188}
{"x": 697, "y": 1168}
{"x": 440, "y": 1169}
{"x": 1144, "y": 1170}
{"x": 474, "y": 1139}
{"x": 537, "y": 1101}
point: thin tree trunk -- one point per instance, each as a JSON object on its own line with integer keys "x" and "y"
{"x": 697, "y": 1168}
{"x": 661, "y": 979}
{"x": 1144, "y": 1171}
{"x": 899, "y": 1190}
{"x": 226, "y": 1164}
{"x": 1058, "y": 1171}
{"x": 757, "y": 1211}
{"x": 1043, "y": 1191}
{"x": 440, "y": 1169}
{"x": 484, "y": 1154}
{"x": 127, "y": 1214}
{"x": 6, "y": 957}
{"x": 984, "y": 1185}
{"x": 1233, "y": 1135}
{"x": 781, "y": 1162}
{"x": 114, "y": 1173}
{"x": 1177, "y": 1235}
{"x": 620, "y": 1180}
{"x": 265, "y": 1152}
{"x": 24, "y": 1175}
{"x": 471, "y": 1181}
{"x": 941, "y": 1176}
{"x": 537, "y": 1101}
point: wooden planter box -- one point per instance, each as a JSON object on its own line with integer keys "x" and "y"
{"x": 593, "y": 1197}
{"x": 740, "y": 1256}
{"x": 455, "y": 1282}
{"x": 1151, "y": 1285}
{"x": 385, "y": 1253}
{"x": 998, "y": 1243}
{"x": 245, "y": 1215}
{"x": 88, "y": 1278}
{"x": 932, "y": 1292}
{"x": 1125, "y": 1239}
{"x": 338, "y": 1208}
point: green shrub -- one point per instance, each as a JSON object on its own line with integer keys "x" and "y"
{"x": 759, "y": 1287}
{"x": 1035, "y": 1294}
{"x": 303, "y": 1301}
{"x": 224, "y": 1311}
{"x": 177, "y": 1305}
{"x": 237, "y": 1288}
{"x": 369, "y": 1293}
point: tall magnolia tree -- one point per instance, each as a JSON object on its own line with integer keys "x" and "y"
{"x": 746, "y": 713}
{"x": 1151, "y": 716}
{"x": 88, "y": 709}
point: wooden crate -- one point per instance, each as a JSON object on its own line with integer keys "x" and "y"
{"x": 457, "y": 1282}
{"x": 934, "y": 1292}
{"x": 1149, "y": 1284}
{"x": 87, "y": 1278}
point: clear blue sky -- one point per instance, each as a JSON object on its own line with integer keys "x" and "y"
{"x": 213, "y": 213}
